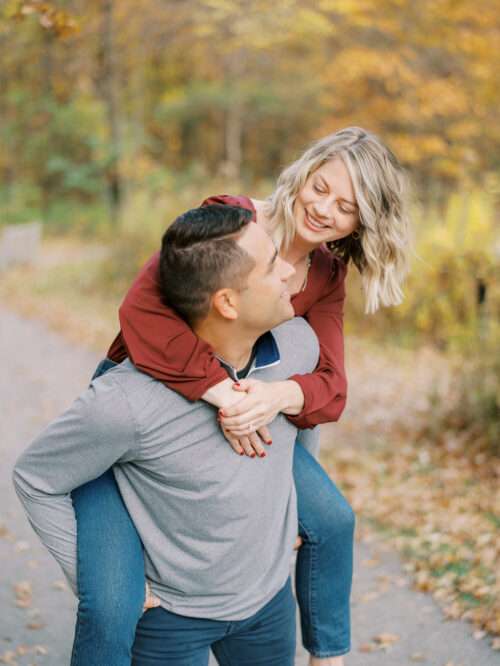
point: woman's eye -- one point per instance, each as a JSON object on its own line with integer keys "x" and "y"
{"x": 318, "y": 189}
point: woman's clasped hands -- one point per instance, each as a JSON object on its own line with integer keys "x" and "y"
{"x": 244, "y": 423}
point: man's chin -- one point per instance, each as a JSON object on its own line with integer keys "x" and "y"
{"x": 286, "y": 315}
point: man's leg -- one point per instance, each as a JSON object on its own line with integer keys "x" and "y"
{"x": 166, "y": 639}
{"x": 266, "y": 639}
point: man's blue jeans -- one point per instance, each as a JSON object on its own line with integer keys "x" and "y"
{"x": 265, "y": 639}
{"x": 111, "y": 566}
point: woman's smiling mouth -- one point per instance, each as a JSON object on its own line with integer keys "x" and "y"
{"x": 313, "y": 224}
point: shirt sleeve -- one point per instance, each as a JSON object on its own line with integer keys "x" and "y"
{"x": 94, "y": 433}
{"x": 158, "y": 341}
{"x": 325, "y": 390}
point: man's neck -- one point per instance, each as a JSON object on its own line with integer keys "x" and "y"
{"x": 228, "y": 340}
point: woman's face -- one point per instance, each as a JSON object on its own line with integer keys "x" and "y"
{"x": 325, "y": 208}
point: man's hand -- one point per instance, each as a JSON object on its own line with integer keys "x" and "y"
{"x": 150, "y": 601}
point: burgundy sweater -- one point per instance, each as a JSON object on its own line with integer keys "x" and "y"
{"x": 162, "y": 345}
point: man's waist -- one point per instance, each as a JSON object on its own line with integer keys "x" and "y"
{"x": 245, "y": 600}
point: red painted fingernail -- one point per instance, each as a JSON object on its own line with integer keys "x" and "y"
{"x": 252, "y": 455}
{"x": 263, "y": 454}
{"x": 269, "y": 442}
{"x": 237, "y": 384}
{"x": 242, "y": 453}
{"x": 221, "y": 413}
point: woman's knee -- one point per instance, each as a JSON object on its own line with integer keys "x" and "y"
{"x": 323, "y": 511}
{"x": 344, "y": 520}
{"x": 332, "y": 519}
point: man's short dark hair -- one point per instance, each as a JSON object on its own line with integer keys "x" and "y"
{"x": 200, "y": 255}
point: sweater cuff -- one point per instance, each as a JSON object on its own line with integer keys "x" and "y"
{"x": 300, "y": 420}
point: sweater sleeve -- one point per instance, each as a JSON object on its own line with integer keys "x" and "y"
{"x": 325, "y": 389}
{"x": 94, "y": 433}
{"x": 158, "y": 341}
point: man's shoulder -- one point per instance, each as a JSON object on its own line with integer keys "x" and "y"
{"x": 147, "y": 398}
{"x": 295, "y": 329}
{"x": 138, "y": 387}
{"x": 298, "y": 344}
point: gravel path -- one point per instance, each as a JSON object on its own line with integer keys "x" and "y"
{"x": 41, "y": 375}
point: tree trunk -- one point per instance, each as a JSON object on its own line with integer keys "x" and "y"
{"x": 46, "y": 79}
{"x": 109, "y": 95}
{"x": 234, "y": 118}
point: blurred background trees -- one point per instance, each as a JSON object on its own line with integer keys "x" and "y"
{"x": 117, "y": 115}
{"x": 115, "y": 93}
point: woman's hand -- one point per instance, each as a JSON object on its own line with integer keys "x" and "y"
{"x": 248, "y": 397}
{"x": 263, "y": 401}
{"x": 251, "y": 444}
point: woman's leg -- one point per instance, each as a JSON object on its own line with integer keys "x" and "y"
{"x": 111, "y": 579}
{"x": 324, "y": 561}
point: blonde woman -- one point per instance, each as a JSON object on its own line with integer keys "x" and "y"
{"x": 343, "y": 200}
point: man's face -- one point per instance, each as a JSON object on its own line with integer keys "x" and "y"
{"x": 265, "y": 302}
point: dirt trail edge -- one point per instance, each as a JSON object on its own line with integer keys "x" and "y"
{"x": 41, "y": 375}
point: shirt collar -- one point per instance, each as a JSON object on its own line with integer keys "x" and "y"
{"x": 267, "y": 354}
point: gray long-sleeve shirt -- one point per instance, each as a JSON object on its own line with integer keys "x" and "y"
{"x": 218, "y": 528}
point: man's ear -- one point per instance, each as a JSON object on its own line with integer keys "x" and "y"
{"x": 225, "y": 303}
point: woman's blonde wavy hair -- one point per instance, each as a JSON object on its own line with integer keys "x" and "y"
{"x": 381, "y": 251}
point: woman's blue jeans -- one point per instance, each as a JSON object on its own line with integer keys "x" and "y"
{"x": 111, "y": 580}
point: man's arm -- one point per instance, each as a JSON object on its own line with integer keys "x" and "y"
{"x": 94, "y": 433}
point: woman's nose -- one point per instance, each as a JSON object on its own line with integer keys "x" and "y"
{"x": 325, "y": 208}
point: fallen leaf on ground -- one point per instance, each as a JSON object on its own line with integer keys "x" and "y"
{"x": 3, "y": 532}
{"x": 22, "y": 650}
{"x": 35, "y": 625}
{"x": 367, "y": 647}
{"x": 24, "y": 593}
{"x": 386, "y": 640}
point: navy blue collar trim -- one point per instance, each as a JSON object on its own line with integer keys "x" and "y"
{"x": 266, "y": 355}
{"x": 267, "y": 352}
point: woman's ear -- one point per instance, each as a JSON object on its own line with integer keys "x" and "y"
{"x": 225, "y": 303}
